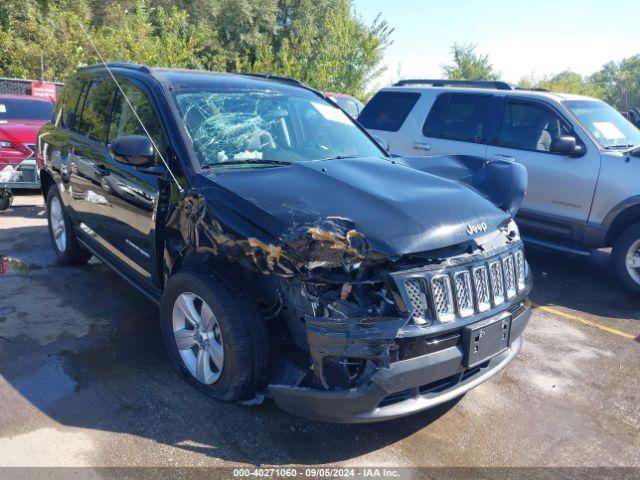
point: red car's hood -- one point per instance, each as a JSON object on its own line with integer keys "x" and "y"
{"x": 20, "y": 131}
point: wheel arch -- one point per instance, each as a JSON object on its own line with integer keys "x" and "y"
{"x": 624, "y": 219}
{"x": 46, "y": 180}
{"x": 191, "y": 259}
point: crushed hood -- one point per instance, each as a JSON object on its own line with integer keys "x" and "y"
{"x": 398, "y": 209}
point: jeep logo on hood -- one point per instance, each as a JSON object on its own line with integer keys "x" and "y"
{"x": 477, "y": 228}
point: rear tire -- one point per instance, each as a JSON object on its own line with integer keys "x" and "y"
{"x": 63, "y": 236}
{"x": 223, "y": 348}
{"x": 625, "y": 259}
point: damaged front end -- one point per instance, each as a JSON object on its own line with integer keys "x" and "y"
{"x": 358, "y": 335}
{"x": 384, "y": 337}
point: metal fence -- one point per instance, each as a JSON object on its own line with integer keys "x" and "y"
{"x": 18, "y": 86}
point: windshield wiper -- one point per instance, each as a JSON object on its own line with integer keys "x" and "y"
{"x": 255, "y": 161}
{"x": 616, "y": 147}
{"x": 341, "y": 157}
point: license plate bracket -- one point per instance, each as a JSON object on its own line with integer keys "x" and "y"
{"x": 485, "y": 340}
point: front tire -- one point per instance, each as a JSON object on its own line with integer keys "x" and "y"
{"x": 625, "y": 259}
{"x": 63, "y": 237}
{"x": 214, "y": 336}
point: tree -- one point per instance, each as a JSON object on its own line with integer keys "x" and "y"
{"x": 566, "y": 82}
{"x": 468, "y": 65}
{"x": 319, "y": 42}
{"x": 322, "y": 44}
{"x": 620, "y": 82}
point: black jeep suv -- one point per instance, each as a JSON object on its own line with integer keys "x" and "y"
{"x": 288, "y": 252}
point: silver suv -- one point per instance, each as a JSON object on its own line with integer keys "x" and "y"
{"x": 582, "y": 156}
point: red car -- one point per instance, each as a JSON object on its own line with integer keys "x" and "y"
{"x": 349, "y": 104}
{"x": 21, "y": 117}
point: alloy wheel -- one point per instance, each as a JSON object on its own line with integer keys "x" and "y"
{"x": 632, "y": 261}
{"x": 56, "y": 217}
{"x": 198, "y": 337}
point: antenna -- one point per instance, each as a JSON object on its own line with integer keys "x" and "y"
{"x": 135, "y": 113}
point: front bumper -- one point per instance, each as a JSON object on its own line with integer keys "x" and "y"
{"x": 406, "y": 387}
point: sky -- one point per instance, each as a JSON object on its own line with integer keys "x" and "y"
{"x": 523, "y": 38}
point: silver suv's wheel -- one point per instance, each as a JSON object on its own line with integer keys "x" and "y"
{"x": 213, "y": 334}
{"x": 198, "y": 337}
{"x": 625, "y": 259}
{"x": 633, "y": 261}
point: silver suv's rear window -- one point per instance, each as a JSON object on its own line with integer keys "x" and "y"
{"x": 388, "y": 110}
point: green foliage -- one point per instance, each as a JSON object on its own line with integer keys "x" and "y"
{"x": 617, "y": 83}
{"x": 469, "y": 65}
{"x": 620, "y": 82}
{"x": 319, "y": 42}
{"x": 567, "y": 82}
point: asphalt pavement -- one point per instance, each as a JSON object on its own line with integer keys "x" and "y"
{"x": 85, "y": 381}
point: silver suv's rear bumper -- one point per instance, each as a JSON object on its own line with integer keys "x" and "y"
{"x": 406, "y": 387}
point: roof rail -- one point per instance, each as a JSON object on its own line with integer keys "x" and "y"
{"x": 531, "y": 89}
{"x": 291, "y": 81}
{"x": 277, "y": 78}
{"x": 135, "y": 66}
{"x": 455, "y": 83}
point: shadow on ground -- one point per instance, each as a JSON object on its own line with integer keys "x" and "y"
{"x": 85, "y": 349}
{"x": 583, "y": 284}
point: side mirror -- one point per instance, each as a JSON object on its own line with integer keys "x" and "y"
{"x": 382, "y": 142}
{"x": 134, "y": 150}
{"x": 566, "y": 145}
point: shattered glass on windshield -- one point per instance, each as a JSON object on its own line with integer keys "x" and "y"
{"x": 248, "y": 127}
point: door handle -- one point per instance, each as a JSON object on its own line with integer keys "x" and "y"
{"x": 101, "y": 170}
{"x": 422, "y": 146}
{"x": 500, "y": 156}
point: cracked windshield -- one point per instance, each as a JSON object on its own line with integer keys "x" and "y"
{"x": 253, "y": 128}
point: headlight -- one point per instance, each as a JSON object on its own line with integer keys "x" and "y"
{"x": 5, "y": 144}
{"x": 513, "y": 232}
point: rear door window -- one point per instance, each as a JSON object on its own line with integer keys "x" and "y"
{"x": 388, "y": 110}
{"x": 96, "y": 110}
{"x": 462, "y": 117}
{"x": 67, "y": 102}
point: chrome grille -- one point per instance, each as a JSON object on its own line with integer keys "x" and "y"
{"x": 418, "y": 298}
{"x": 481, "y": 285}
{"x": 442, "y": 298}
{"x": 520, "y": 269}
{"x": 464, "y": 291}
{"x": 509, "y": 276}
{"x": 497, "y": 286}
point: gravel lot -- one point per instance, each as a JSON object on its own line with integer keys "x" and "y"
{"x": 84, "y": 381}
